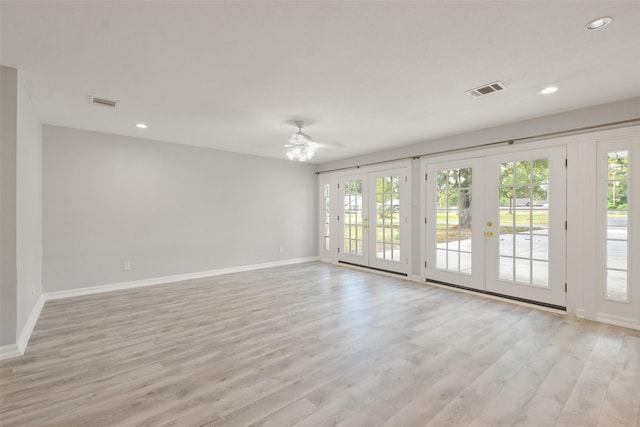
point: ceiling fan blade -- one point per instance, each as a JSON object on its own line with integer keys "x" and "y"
{"x": 323, "y": 145}
{"x": 309, "y": 144}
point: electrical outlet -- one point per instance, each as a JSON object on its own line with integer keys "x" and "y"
{"x": 126, "y": 266}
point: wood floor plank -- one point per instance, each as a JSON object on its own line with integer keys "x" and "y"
{"x": 587, "y": 398}
{"x": 374, "y": 414}
{"x": 315, "y": 344}
{"x": 289, "y": 415}
{"x": 621, "y": 405}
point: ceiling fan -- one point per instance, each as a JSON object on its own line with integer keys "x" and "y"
{"x": 300, "y": 147}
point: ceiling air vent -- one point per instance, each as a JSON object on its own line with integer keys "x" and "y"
{"x": 486, "y": 89}
{"x": 102, "y": 101}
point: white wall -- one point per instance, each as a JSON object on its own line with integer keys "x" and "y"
{"x": 8, "y": 131}
{"x": 21, "y": 214}
{"x": 28, "y": 207}
{"x": 166, "y": 208}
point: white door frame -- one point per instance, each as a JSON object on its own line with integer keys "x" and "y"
{"x": 478, "y": 158}
{"x": 336, "y": 239}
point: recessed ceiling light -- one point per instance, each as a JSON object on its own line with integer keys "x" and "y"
{"x": 141, "y": 126}
{"x": 548, "y": 90}
{"x": 599, "y": 22}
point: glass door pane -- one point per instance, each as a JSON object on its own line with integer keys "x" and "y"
{"x": 327, "y": 216}
{"x": 524, "y": 222}
{"x": 616, "y": 277}
{"x": 525, "y": 217}
{"x": 353, "y": 220}
{"x": 453, "y": 220}
{"x": 388, "y": 218}
{"x": 454, "y": 223}
{"x": 353, "y": 217}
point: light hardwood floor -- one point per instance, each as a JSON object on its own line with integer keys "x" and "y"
{"x": 316, "y": 345}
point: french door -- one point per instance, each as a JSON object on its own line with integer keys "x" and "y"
{"x": 373, "y": 220}
{"x": 497, "y": 224}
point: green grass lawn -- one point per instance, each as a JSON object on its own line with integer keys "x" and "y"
{"x": 522, "y": 223}
{"x": 388, "y": 233}
{"x": 522, "y": 217}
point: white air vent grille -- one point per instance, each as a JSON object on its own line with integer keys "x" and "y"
{"x": 102, "y": 101}
{"x": 486, "y": 89}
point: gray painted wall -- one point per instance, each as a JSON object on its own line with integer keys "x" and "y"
{"x": 28, "y": 206}
{"x": 8, "y": 142}
{"x": 166, "y": 208}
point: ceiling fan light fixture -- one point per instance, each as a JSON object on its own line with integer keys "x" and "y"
{"x": 300, "y": 153}
{"x": 301, "y": 147}
{"x": 308, "y": 154}
{"x": 292, "y": 154}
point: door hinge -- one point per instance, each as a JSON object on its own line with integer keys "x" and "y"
{"x": 565, "y": 288}
{"x": 338, "y": 217}
{"x": 425, "y": 219}
{"x": 425, "y": 176}
{"x": 566, "y": 225}
{"x": 338, "y": 185}
{"x": 425, "y": 264}
{"x": 405, "y": 179}
{"x": 566, "y": 163}
{"x": 338, "y": 250}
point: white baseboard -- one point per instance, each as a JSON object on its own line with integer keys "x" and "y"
{"x": 625, "y": 322}
{"x": 416, "y": 278}
{"x": 27, "y": 330}
{"x": 18, "y": 349}
{"x": 170, "y": 279}
{"x": 9, "y": 351}
{"x": 580, "y": 313}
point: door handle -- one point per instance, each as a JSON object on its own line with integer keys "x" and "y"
{"x": 489, "y": 233}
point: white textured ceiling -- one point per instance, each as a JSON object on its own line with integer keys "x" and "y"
{"x": 365, "y": 75}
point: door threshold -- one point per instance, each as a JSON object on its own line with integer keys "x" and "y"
{"x": 373, "y": 268}
{"x": 502, "y": 296}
